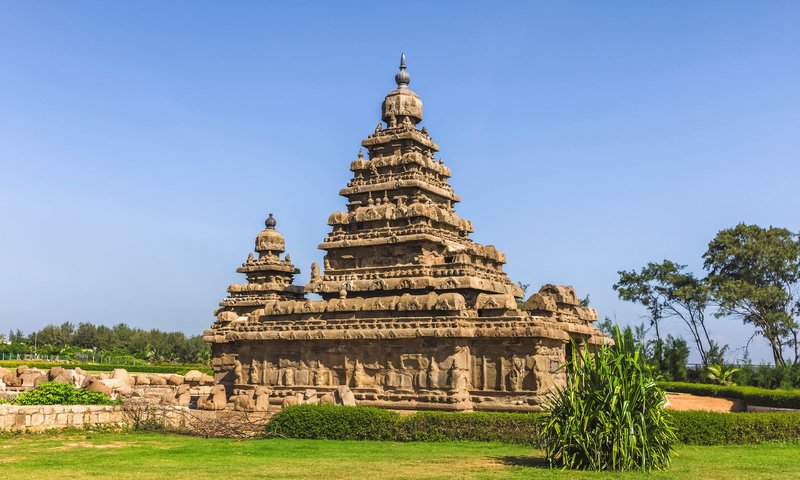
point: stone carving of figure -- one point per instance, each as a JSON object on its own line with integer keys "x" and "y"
{"x": 433, "y": 374}
{"x": 237, "y": 372}
{"x": 288, "y": 377}
{"x": 392, "y": 122}
{"x": 392, "y": 376}
{"x": 456, "y": 378}
{"x": 315, "y": 276}
{"x": 249, "y": 258}
{"x": 516, "y": 374}
{"x": 303, "y": 374}
{"x": 360, "y": 377}
{"x": 327, "y": 264}
{"x": 322, "y": 375}
{"x": 379, "y": 127}
{"x": 255, "y": 373}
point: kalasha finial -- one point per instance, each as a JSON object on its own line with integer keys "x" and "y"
{"x": 270, "y": 223}
{"x": 402, "y": 78}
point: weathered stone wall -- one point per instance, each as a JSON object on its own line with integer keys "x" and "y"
{"x": 46, "y": 417}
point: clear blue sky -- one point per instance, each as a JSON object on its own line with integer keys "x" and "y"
{"x": 142, "y": 145}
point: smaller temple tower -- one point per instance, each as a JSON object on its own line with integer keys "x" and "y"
{"x": 268, "y": 277}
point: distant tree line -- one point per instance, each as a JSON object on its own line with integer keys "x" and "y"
{"x": 752, "y": 275}
{"x": 86, "y": 339}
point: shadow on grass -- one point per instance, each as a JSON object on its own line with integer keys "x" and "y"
{"x": 524, "y": 461}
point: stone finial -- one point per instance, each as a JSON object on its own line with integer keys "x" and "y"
{"x": 271, "y": 222}
{"x": 402, "y": 78}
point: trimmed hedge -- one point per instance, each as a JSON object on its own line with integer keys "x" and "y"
{"x": 750, "y": 395}
{"x": 506, "y": 427}
{"x": 334, "y": 422}
{"x": 714, "y": 428}
{"x": 104, "y": 367}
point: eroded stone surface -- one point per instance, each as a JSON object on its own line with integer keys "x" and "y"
{"x": 412, "y": 312}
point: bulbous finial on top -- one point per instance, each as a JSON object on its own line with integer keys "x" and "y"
{"x": 271, "y": 222}
{"x": 402, "y": 78}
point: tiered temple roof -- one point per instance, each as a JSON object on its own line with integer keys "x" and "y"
{"x": 269, "y": 278}
{"x": 400, "y": 233}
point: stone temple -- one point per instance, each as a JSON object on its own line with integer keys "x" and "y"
{"x": 413, "y": 314}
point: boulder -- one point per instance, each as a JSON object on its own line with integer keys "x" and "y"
{"x": 54, "y": 372}
{"x": 64, "y": 376}
{"x": 21, "y": 369}
{"x": 327, "y": 399}
{"x": 123, "y": 377}
{"x": 39, "y": 380}
{"x": 142, "y": 380}
{"x": 175, "y": 380}
{"x": 30, "y": 375}
{"x": 79, "y": 376}
{"x": 98, "y": 386}
{"x": 193, "y": 376}
{"x": 344, "y": 396}
{"x": 8, "y": 377}
{"x": 87, "y": 380}
{"x": 158, "y": 380}
{"x": 206, "y": 380}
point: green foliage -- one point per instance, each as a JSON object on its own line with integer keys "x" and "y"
{"x": 768, "y": 376}
{"x": 667, "y": 290}
{"x": 750, "y": 395}
{"x": 120, "y": 341}
{"x": 721, "y": 374}
{"x": 610, "y": 415}
{"x": 753, "y": 275}
{"x": 52, "y": 393}
{"x": 334, "y": 422}
{"x": 520, "y": 428}
{"x": 716, "y": 428}
{"x": 104, "y": 367}
{"x": 342, "y": 423}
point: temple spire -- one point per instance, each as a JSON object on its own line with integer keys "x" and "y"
{"x": 402, "y": 78}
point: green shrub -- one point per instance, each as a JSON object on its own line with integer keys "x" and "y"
{"x": 717, "y": 428}
{"x": 750, "y": 395}
{"x": 522, "y": 428}
{"x": 365, "y": 423}
{"x": 52, "y": 393}
{"x": 334, "y": 422}
{"x": 610, "y": 414}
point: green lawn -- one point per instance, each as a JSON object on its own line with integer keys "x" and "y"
{"x": 157, "y": 456}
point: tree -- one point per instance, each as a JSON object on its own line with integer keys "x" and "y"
{"x": 667, "y": 290}
{"x": 753, "y": 275}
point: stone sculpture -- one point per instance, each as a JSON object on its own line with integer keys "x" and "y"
{"x": 413, "y": 313}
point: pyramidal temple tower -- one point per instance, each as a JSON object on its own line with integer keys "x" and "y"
{"x": 413, "y": 313}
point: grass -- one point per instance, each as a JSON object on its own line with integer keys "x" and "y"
{"x": 155, "y": 456}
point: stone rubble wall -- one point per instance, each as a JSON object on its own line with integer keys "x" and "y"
{"x": 38, "y": 418}
{"x": 47, "y": 417}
